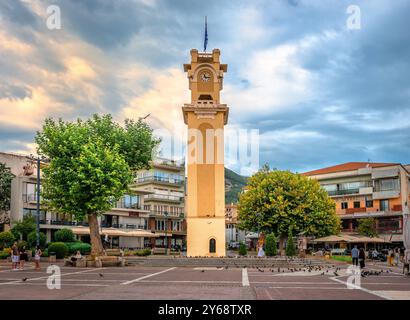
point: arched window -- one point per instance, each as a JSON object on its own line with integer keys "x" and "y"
{"x": 212, "y": 245}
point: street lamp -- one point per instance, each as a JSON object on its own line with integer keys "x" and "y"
{"x": 38, "y": 159}
{"x": 166, "y": 232}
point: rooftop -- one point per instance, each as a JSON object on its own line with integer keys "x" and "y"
{"x": 348, "y": 166}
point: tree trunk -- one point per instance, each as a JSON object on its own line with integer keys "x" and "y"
{"x": 282, "y": 245}
{"x": 96, "y": 243}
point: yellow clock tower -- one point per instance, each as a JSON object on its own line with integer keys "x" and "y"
{"x": 205, "y": 117}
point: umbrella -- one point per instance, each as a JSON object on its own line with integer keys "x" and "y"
{"x": 406, "y": 232}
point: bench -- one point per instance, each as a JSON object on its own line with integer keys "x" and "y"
{"x": 114, "y": 252}
{"x": 79, "y": 263}
{"x": 109, "y": 261}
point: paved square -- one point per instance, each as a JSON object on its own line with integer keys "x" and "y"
{"x": 177, "y": 283}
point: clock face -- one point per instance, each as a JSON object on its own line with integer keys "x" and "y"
{"x": 205, "y": 77}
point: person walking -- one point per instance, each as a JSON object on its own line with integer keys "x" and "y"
{"x": 37, "y": 255}
{"x": 390, "y": 255}
{"x": 362, "y": 257}
{"x": 355, "y": 256}
{"x": 23, "y": 257}
{"x": 396, "y": 256}
{"x": 15, "y": 256}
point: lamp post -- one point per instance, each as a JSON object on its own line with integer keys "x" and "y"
{"x": 38, "y": 159}
{"x": 166, "y": 232}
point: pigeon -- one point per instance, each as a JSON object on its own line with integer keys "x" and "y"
{"x": 335, "y": 273}
{"x": 202, "y": 270}
{"x": 24, "y": 279}
{"x": 322, "y": 274}
{"x": 226, "y": 267}
{"x": 101, "y": 275}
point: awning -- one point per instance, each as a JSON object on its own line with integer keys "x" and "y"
{"x": 113, "y": 232}
{"x": 351, "y": 239}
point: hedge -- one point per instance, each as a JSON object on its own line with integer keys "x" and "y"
{"x": 64, "y": 235}
{"x": 59, "y": 248}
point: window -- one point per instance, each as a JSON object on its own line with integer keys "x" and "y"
{"x": 387, "y": 184}
{"x": 344, "y": 205}
{"x": 369, "y": 203}
{"x": 212, "y": 246}
{"x": 160, "y": 224}
{"x": 356, "y": 204}
{"x": 384, "y": 205}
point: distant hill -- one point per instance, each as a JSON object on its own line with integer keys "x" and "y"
{"x": 233, "y": 185}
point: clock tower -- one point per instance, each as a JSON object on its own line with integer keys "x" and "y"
{"x": 205, "y": 117}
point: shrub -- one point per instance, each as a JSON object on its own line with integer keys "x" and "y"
{"x": 290, "y": 246}
{"x": 242, "y": 249}
{"x": 4, "y": 254}
{"x": 59, "y": 248}
{"x": 64, "y": 235}
{"x": 142, "y": 253}
{"x": 44, "y": 253}
{"x": 73, "y": 247}
{"x": 6, "y": 239}
{"x": 270, "y": 247}
{"x": 32, "y": 239}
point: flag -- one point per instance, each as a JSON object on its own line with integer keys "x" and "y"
{"x": 206, "y": 35}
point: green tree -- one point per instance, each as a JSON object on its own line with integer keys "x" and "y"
{"x": 24, "y": 227}
{"x": 290, "y": 245}
{"x": 6, "y": 239}
{"x": 5, "y": 192}
{"x": 277, "y": 201}
{"x": 270, "y": 245}
{"x": 367, "y": 227}
{"x": 91, "y": 165}
{"x": 64, "y": 235}
{"x": 32, "y": 239}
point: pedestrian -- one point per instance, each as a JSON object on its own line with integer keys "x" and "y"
{"x": 355, "y": 256}
{"x": 15, "y": 257}
{"x": 390, "y": 255}
{"x": 23, "y": 257}
{"x": 362, "y": 257}
{"x": 396, "y": 256}
{"x": 37, "y": 255}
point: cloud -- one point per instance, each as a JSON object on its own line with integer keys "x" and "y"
{"x": 318, "y": 93}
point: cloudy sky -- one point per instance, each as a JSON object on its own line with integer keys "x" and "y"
{"x": 318, "y": 92}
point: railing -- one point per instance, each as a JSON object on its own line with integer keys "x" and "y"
{"x": 343, "y": 192}
{"x": 85, "y": 224}
{"x": 157, "y": 196}
{"x": 170, "y": 214}
{"x": 158, "y": 179}
{"x": 30, "y": 197}
{"x": 123, "y": 205}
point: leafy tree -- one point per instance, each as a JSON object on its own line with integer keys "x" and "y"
{"x": 24, "y": 227}
{"x": 242, "y": 249}
{"x": 64, "y": 235}
{"x": 32, "y": 239}
{"x": 5, "y": 192}
{"x": 6, "y": 239}
{"x": 367, "y": 227}
{"x": 270, "y": 245}
{"x": 290, "y": 245}
{"x": 277, "y": 201}
{"x": 91, "y": 165}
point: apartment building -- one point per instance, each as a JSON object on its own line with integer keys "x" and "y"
{"x": 164, "y": 188}
{"x": 366, "y": 189}
{"x": 232, "y": 233}
{"x": 136, "y": 220}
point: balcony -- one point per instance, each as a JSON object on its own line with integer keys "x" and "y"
{"x": 151, "y": 179}
{"x": 30, "y": 197}
{"x": 85, "y": 224}
{"x": 163, "y": 197}
{"x": 170, "y": 214}
{"x": 333, "y": 193}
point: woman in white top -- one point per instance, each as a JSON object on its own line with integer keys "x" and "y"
{"x": 37, "y": 256}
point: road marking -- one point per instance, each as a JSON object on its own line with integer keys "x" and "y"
{"x": 45, "y": 277}
{"x": 190, "y": 281}
{"x": 245, "y": 279}
{"x": 148, "y": 276}
{"x": 362, "y": 289}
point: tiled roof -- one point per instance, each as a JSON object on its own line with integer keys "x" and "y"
{"x": 348, "y": 166}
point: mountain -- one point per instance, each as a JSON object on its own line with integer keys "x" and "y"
{"x": 233, "y": 185}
